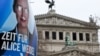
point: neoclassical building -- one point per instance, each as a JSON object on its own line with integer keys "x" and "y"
{"x": 53, "y": 29}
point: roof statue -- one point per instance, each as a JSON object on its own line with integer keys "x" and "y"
{"x": 51, "y": 3}
{"x": 91, "y": 19}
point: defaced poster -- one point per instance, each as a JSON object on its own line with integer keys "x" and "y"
{"x": 18, "y": 33}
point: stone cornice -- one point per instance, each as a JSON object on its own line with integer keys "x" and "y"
{"x": 62, "y": 43}
{"x": 64, "y": 26}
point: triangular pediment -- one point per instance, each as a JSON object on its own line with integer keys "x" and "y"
{"x": 73, "y": 52}
{"x": 60, "y": 20}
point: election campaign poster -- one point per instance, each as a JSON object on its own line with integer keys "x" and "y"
{"x": 18, "y": 32}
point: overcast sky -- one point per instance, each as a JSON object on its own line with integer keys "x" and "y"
{"x": 79, "y": 9}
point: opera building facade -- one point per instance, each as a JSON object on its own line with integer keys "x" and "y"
{"x": 53, "y": 28}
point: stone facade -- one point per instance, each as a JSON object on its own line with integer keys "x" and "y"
{"x": 53, "y": 28}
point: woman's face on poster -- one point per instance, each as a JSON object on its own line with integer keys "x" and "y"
{"x": 22, "y": 12}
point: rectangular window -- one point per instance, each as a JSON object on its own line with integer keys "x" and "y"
{"x": 60, "y": 35}
{"x": 54, "y": 35}
{"x": 46, "y": 35}
{"x": 74, "y": 36}
{"x": 81, "y": 36}
{"x": 87, "y": 37}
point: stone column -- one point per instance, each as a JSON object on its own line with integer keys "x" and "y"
{"x": 57, "y": 35}
{"x": 90, "y": 37}
{"x": 71, "y": 38}
{"x": 43, "y": 32}
{"x": 64, "y": 35}
{"x": 77, "y": 37}
{"x": 50, "y": 35}
{"x": 84, "y": 37}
